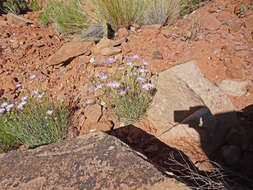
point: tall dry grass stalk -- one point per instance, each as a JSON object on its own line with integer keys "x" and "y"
{"x": 162, "y": 11}
{"x": 117, "y": 13}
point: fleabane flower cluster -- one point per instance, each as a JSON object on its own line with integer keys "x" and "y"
{"x": 6, "y": 107}
{"x": 125, "y": 78}
{"x": 125, "y": 86}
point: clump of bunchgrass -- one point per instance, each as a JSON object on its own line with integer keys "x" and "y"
{"x": 35, "y": 5}
{"x": 69, "y": 16}
{"x": 13, "y": 6}
{"x": 126, "y": 89}
{"x": 116, "y": 13}
{"x": 162, "y": 11}
{"x": 7, "y": 141}
{"x": 32, "y": 122}
{"x": 96, "y": 19}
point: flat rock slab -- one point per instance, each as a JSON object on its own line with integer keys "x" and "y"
{"x": 181, "y": 91}
{"x": 69, "y": 50}
{"x": 214, "y": 98}
{"x": 93, "y": 161}
{"x": 13, "y": 19}
{"x": 233, "y": 88}
{"x": 172, "y": 96}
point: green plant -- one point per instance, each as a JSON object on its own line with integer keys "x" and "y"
{"x": 116, "y": 13}
{"x": 33, "y": 122}
{"x": 14, "y": 6}
{"x": 243, "y": 9}
{"x": 44, "y": 19}
{"x": 1, "y": 6}
{"x": 188, "y": 6}
{"x": 7, "y": 141}
{"x": 34, "y": 5}
{"x": 160, "y": 11}
{"x": 69, "y": 16}
{"x": 126, "y": 90}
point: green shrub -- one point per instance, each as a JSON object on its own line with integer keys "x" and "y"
{"x": 33, "y": 122}
{"x": 44, "y": 19}
{"x": 93, "y": 18}
{"x": 116, "y": 13}
{"x": 160, "y": 11}
{"x": 35, "y": 5}
{"x": 188, "y": 6}
{"x": 7, "y": 141}
{"x": 68, "y": 16}
{"x": 126, "y": 90}
{"x": 14, "y": 6}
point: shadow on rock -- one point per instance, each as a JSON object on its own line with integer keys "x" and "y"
{"x": 224, "y": 139}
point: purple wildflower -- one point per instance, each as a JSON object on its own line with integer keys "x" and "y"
{"x": 103, "y": 77}
{"x": 135, "y": 57}
{"x": 49, "y": 112}
{"x": 113, "y": 85}
{"x": 129, "y": 58}
{"x": 130, "y": 64}
{"x": 89, "y": 102}
{"x": 4, "y": 104}
{"x": 120, "y": 68}
{"x": 145, "y": 62}
{"x": 110, "y": 61}
{"x": 18, "y": 85}
{"x": 21, "y": 104}
{"x": 2, "y": 110}
{"x": 32, "y": 77}
{"x": 34, "y": 92}
{"x": 40, "y": 95}
{"x": 122, "y": 92}
{"x": 23, "y": 98}
{"x": 147, "y": 86}
{"x": 141, "y": 79}
{"x": 8, "y": 108}
{"x": 98, "y": 86}
{"x": 143, "y": 70}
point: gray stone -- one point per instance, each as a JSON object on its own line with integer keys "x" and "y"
{"x": 93, "y": 161}
{"x": 94, "y": 32}
{"x": 233, "y": 88}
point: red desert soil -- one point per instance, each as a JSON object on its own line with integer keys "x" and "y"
{"x": 215, "y": 36}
